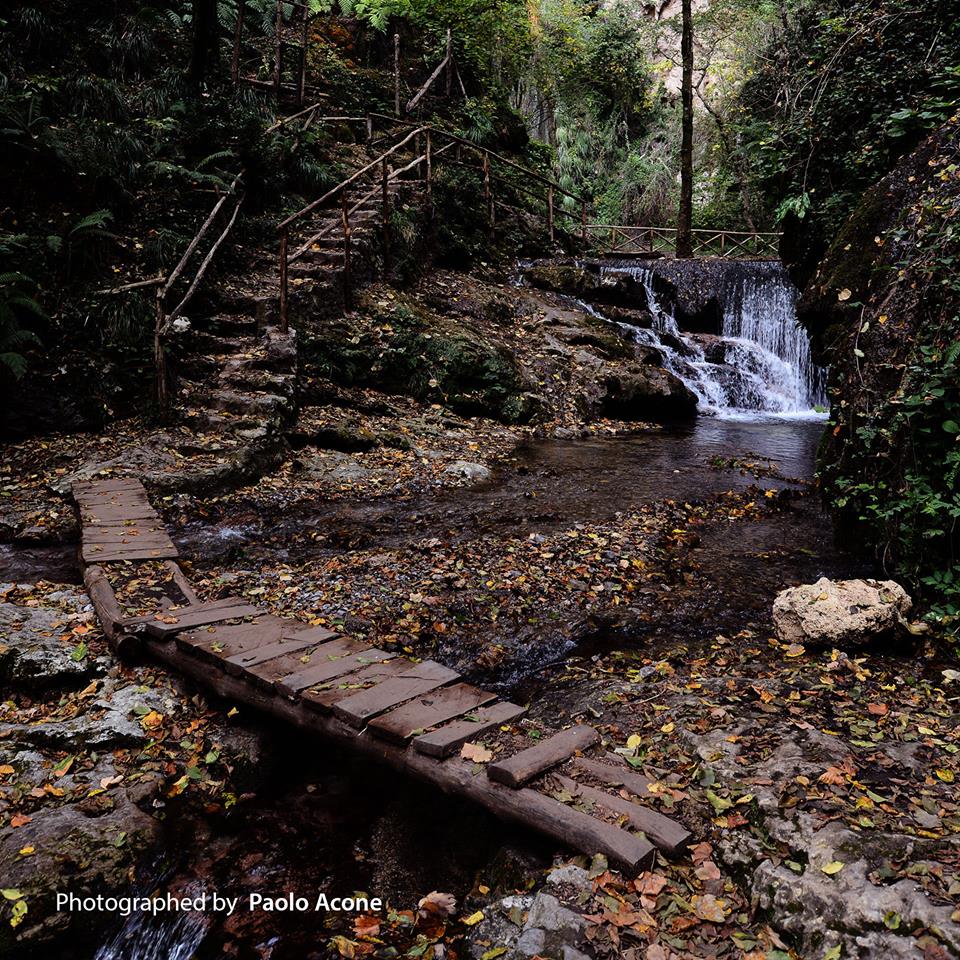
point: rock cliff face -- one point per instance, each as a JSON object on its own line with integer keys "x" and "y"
{"x": 882, "y": 310}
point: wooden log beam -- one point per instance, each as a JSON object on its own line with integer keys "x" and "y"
{"x": 666, "y": 834}
{"x": 108, "y": 610}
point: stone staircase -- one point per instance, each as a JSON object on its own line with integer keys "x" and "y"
{"x": 237, "y": 372}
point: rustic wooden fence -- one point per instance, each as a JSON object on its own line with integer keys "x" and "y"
{"x": 622, "y": 240}
{"x": 422, "y": 140}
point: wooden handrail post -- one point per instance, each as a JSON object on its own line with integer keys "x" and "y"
{"x": 237, "y": 36}
{"x": 369, "y": 128}
{"x": 345, "y": 219}
{"x": 284, "y": 240}
{"x": 278, "y": 51}
{"x": 396, "y": 74}
{"x": 428, "y": 167}
{"x": 550, "y": 212}
{"x": 302, "y": 86}
{"x": 385, "y": 181}
{"x": 159, "y": 354}
{"x": 449, "y": 61}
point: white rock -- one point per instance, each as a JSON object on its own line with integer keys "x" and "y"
{"x": 840, "y": 613}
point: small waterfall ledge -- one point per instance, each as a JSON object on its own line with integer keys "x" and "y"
{"x": 756, "y": 364}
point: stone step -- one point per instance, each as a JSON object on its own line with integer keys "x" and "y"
{"x": 247, "y": 402}
{"x": 258, "y": 379}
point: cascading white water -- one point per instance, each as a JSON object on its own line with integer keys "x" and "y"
{"x": 760, "y": 363}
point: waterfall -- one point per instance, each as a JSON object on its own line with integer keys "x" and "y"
{"x": 760, "y": 362}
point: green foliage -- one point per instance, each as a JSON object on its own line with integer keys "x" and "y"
{"x": 840, "y": 92}
{"x": 592, "y": 67}
{"x": 895, "y": 461}
{"x": 16, "y": 302}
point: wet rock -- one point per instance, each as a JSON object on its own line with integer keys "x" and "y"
{"x": 533, "y": 926}
{"x": 547, "y": 913}
{"x": 112, "y": 722}
{"x": 33, "y": 656}
{"x": 817, "y": 910}
{"x": 501, "y": 927}
{"x": 570, "y": 877}
{"x": 841, "y": 613}
{"x": 474, "y": 472}
{"x": 530, "y": 943}
{"x": 638, "y": 392}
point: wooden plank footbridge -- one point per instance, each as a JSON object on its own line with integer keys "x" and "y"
{"x": 414, "y": 716}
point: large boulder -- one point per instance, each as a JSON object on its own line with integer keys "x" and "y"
{"x": 841, "y": 613}
{"x": 637, "y": 391}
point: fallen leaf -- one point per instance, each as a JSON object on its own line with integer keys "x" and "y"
{"x": 438, "y": 905}
{"x": 707, "y": 907}
{"x": 834, "y": 866}
{"x": 476, "y": 753}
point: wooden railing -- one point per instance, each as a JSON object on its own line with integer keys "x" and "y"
{"x": 425, "y": 162}
{"x": 622, "y": 240}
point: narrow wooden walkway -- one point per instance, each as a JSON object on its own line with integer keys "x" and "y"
{"x": 415, "y": 716}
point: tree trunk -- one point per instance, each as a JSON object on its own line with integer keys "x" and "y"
{"x": 685, "y": 215}
{"x": 205, "y": 39}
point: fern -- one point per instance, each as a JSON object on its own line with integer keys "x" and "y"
{"x": 93, "y": 224}
{"x": 15, "y": 300}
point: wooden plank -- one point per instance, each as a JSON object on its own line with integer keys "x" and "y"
{"x": 108, "y": 514}
{"x": 415, "y": 682}
{"x": 527, "y": 807}
{"x": 289, "y": 642}
{"x": 216, "y": 641}
{"x": 524, "y": 766}
{"x": 269, "y": 672}
{"x": 190, "y": 617}
{"x": 614, "y": 774}
{"x": 666, "y": 834}
{"x": 427, "y": 711}
{"x": 124, "y": 533}
{"x": 450, "y": 737}
{"x": 343, "y": 656}
{"x": 325, "y": 696}
{"x": 109, "y": 554}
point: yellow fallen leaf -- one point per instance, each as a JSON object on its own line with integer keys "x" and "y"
{"x": 945, "y": 775}
{"x": 834, "y": 866}
{"x": 634, "y": 741}
{"x": 27, "y": 851}
{"x": 152, "y": 720}
{"x": 795, "y": 650}
{"x": 6, "y": 769}
{"x": 473, "y": 919}
{"x": 668, "y": 728}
